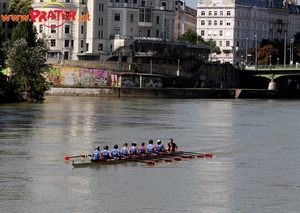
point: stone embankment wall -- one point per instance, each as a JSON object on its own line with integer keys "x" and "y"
{"x": 95, "y": 73}
{"x": 143, "y": 92}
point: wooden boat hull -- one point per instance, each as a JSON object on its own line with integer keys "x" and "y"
{"x": 118, "y": 161}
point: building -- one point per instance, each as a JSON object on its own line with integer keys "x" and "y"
{"x": 186, "y": 18}
{"x": 236, "y": 26}
{"x": 7, "y": 27}
{"x": 109, "y": 27}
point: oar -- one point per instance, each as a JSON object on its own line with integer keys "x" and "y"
{"x": 199, "y": 155}
{"x": 77, "y": 156}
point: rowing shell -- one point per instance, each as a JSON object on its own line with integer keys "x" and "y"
{"x": 143, "y": 159}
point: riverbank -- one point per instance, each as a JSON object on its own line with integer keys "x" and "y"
{"x": 172, "y": 93}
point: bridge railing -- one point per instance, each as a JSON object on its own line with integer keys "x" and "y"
{"x": 277, "y": 66}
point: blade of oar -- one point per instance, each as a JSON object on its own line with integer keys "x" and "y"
{"x": 207, "y": 155}
{"x": 77, "y": 156}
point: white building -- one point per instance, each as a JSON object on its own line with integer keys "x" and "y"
{"x": 110, "y": 26}
{"x": 238, "y": 25}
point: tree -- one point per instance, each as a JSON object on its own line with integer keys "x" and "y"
{"x": 212, "y": 43}
{"x": 27, "y": 60}
{"x": 19, "y": 7}
{"x": 2, "y": 53}
{"x": 264, "y": 53}
{"x": 192, "y": 37}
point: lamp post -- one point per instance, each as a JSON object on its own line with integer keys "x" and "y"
{"x": 255, "y": 51}
{"x": 247, "y": 50}
{"x": 277, "y": 61}
{"x": 291, "y": 52}
{"x": 178, "y": 71}
{"x": 270, "y": 56}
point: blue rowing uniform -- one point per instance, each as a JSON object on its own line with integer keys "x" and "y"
{"x": 159, "y": 148}
{"x": 142, "y": 150}
{"x": 133, "y": 150}
{"x": 105, "y": 154}
{"x": 124, "y": 151}
{"x": 96, "y": 155}
{"x": 115, "y": 153}
{"x": 150, "y": 148}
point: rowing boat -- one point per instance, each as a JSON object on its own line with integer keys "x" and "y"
{"x": 144, "y": 159}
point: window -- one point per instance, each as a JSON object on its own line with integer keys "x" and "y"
{"x": 202, "y": 33}
{"x": 67, "y": 1}
{"x": 117, "y": 30}
{"x": 238, "y": 23}
{"x": 209, "y": 22}
{"x": 221, "y": 22}
{"x": 157, "y": 19}
{"x": 81, "y": 43}
{"x": 157, "y": 33}
{"x": 87, "y": 47}
{"x": 100, "y": 47}
{"x": 221, "y": 32}
{"x": 117, "y": 17}
{"x": 66, "y": 55}
{"x": 131, "y": 17}
{"x": 53, "y": 30}
{"x": 81, "y": 29}
{"x": 237, "y": 43}
{"x": 216, "y": 13}
{"x": 215, "y": 23}
{"x": 254, "y": 25}
{"x": 228, "y": 13}
{"x": 52, "y": 42}
{"x": 209, "y": 13}
{"x": 102, "y": 21}
{"x": 131, "y": 32}
{"x": 165, "y": 22}
{"x": 202, "y": 13}
{"x": 41, "y": 28}
{"x": 228, "y": 23}
{"x": 101, "y": 7}
{"x": 67, "y": 29}
{"x": 72, "y": 43}
{"x": 98, "y": 33}
{"x": 101, "y": 34}
{"x": 227, "y": 43}
{"x": 220, "y": 43}
{"x": 202, "y": 22}
{"x": 238, "y": 34}
{"x": 4, "y": 5}
{"x": 221, "y": 13}
{"x": 67, "y": 42}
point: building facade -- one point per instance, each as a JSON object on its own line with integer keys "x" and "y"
{"x": 107, "y": 27}
{"x": 185, "y": 19}
{"x": 236, "y": 26}
{"x": 7, "y": 27}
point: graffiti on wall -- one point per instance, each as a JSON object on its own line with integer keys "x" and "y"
{"x": 128, "y": 81}
{"x": 152, "y": 82}
{"x": 87, "y": 76}
{"x": 53, "y": 75}
{"x": 114, "y": 80}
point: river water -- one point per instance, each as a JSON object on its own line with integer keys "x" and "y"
{"x": 255, "y": 144}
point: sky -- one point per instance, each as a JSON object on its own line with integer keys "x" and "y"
{"x": 192, "y": 3}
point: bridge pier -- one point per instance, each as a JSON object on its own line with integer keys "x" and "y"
{"x": 272, "y": 86}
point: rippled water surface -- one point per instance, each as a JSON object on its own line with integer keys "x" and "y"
{"x": 255, "y": 144}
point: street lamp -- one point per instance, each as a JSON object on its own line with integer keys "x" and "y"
{"x": 277, "y": 61}
{"x": 291, "y": 52}
{"x": 178, "y": 67}
{"x": 270, "y": 56}
{"x": 255, "y": 51}
{"x": 247, "y": 50}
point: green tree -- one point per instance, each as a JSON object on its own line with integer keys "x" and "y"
{"x": 19, "y": 7}
{"x": 212, "y": 43}
{"x": 192, "y": 37}
{"x": 2, "y": 52}
{"x": 27, "y": 60}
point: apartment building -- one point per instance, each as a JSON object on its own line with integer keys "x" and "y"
{"x": 106, "y": 28}
{"x": 238, "y": 25}
{"x": 186, "y": 18}
{"x": 7, "y": 27}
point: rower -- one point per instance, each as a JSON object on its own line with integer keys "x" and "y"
{"x": 96, "y": 154}
{"x": 142, "y": 149}
{"x": 159, "y": 147}
{"x": 105, "y": 153}
{"x": 172, "y": 146}
{"x": 150, "y": 148}
{"x": 115, "y": 153}
{"x": 133, "y": 150}
{"x": 125, "y": 150}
